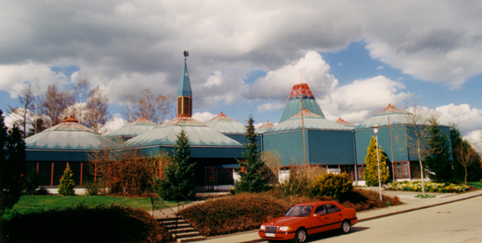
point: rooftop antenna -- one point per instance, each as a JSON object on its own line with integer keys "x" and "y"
{"x": 186, "y": 54}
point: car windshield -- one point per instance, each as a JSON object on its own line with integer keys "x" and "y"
{"x": 299, "y": 211}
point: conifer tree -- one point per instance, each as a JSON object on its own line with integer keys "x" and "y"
{"x": 458, "y": 170}
{"x": 252, "y": 172}
{"x": 12, "y": 165}
{"x": 180, "y": 173}
{"x": 371, "y": 171}
{"x": 67, "y": 184}
{"x": 439, "y": 161}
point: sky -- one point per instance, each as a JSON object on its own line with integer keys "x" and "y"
{"x": 356, "y": 56}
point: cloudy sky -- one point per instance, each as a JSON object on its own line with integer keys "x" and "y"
{"x": 357, "y": 56}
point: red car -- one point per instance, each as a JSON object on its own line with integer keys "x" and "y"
{"x": 305, "y": 219}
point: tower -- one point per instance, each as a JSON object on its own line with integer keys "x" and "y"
{"x": 184, "y": 93}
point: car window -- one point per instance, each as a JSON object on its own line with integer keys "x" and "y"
{"x": 299, "y": 211}
{"x": 321, "y": 210}
{"x": 330, "y": 208}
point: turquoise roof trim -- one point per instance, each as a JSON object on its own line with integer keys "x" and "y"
{"x": 184, "y": 88}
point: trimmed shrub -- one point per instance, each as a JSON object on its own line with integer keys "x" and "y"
{"x": 332, "y": 185}
{"x": 429, "y": 187}
{"x": 67, "y": 184}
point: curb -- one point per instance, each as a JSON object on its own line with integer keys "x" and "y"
{"x": 417, "y": 208}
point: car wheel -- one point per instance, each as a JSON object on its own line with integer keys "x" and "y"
{"x": 345, "y": 227}
{"x": 301, "y": 236}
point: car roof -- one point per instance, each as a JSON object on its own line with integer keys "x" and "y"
{"x": 317, "y": 203}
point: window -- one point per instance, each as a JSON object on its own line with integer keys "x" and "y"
{"x": 321, "y": 210}
{"x": 359, "y": 171}
{"x": 401, "y": 170}
{"x": 330, "y": 208}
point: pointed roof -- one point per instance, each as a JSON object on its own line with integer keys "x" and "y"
{"x": 184, "y": 88}
{"x": 263, "y": 128}
{"x": 311, "y": 121}
{"x": 226, "y": 125}
{"x": 300, "y": 92}
{"x": 396, "y": 116}
{"x": 344, "y": 123}
{"x": 68, "y": 135}
{"x": 199, "y": 135}
{"x": 132, "y": 129}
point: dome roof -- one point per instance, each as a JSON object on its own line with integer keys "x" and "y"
{"x": 263, "y": 128}
{"x": 226, "y": 125}
{"x": 345, "y": 123}
{"x": 311, "y": 121}
{"x": 132, "y": 129}
{"x": 198, "y": 133}
{"x": 396, "y": 116}
{"x": 300, "y": 92}
{"x": 68, "y": 135}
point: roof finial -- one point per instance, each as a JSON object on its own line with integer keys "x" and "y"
{"x": 186, "y": 54}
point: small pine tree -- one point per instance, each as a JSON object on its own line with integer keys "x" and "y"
{"x": 180, "y": 173}
{"x": 12, "y": 165}
{"x": 439, "y": 162}
{"x": 371, "y": 171}
{"x": 252, "y": 172}
{"x": 67, "y": 184}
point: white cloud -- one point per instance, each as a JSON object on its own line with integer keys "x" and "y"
{"x": 475, "y": 139}
{"x": 466, "y": 119}
{"x": 357, "y": 101}
{"x": 202, "y": 117}
{"x": 379, "y": 67}
{"x": 113, "y": 124}
{"x": 270, "y": 106}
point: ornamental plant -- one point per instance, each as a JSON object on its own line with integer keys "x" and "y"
{"x": 371, "y": 172}
{"x": 67, "y": 184}
{"x": 332, "y": 185}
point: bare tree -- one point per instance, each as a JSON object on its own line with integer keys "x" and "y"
{"x": 96, "y": 115}
{"x": 55, "y": 102}
{"x": 26, "y": 100}
{"x": 153, "y": 107}
{"x": 467, "y": 155}
{"x": 81, "y": 92}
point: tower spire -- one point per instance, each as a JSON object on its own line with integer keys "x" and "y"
{"x": 184, "y": 93}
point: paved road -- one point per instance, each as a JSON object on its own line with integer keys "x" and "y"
{"x": 454, "y": 222}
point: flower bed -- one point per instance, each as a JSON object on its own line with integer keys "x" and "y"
{"x": 429, "y": 186}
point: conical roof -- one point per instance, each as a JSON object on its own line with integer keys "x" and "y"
{"x": 132, "y": 129}
{"x": 68, "y": 135}
{"x": 263, "y": 128}
{"x": 300, "y": 92}
{"x": 226, "y": 125}
{"x": 198, "y": 133}
{"x": 345, "y": 123}
{"x": 184, "y": 88}
{"x": 311, "y": 121}
{"x": 396, "y": 116}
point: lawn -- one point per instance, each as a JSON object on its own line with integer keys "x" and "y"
{"x": 29, "y": 203}
{"x": 477, "y": 185}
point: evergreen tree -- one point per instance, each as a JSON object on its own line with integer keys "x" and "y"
{"x": 12, "y": 165}
{"x": 252, "y": 172}
{"x": 371, "y": 171}
{"x": 458, "y": 170}
{"x": 180, "y": 173}
{"x": 438, "y": 163}
{"x": 67, "y": 184}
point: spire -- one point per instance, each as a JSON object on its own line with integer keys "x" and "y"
{"x": 184, "y": 93}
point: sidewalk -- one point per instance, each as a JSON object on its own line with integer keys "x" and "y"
{"x": 411, "y": 204}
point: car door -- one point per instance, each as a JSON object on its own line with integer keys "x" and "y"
{"x": 319, "y": 219}
{"x": 333, "y": 216}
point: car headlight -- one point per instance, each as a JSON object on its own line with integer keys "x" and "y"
{"x": 284, "y": 228}
{"x": 262, "y": 227}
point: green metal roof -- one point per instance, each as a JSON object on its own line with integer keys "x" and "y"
{"x": 263, "y": 128}
{"x": 68, "y": 135}
{"x": 311, "y": 121}
{"x": 226, "y": 125}
{"x": 300, "y": 92}
{"x": 198, "y": 133}
{"x": 132, "y": 129}
{"x": 184, "y": 88}
{"x": 396, "y": 116}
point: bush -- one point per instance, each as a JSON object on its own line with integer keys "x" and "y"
{"x": 67, "y": 184}
{"x": 84, "y": 224}
{"x": 332, "y": 185}
{"x": 299, "y": 180}
{"x": 30, "y": 183}
{"x": 429, "y": 187}
{"x": 92, "y": 187}
{"x": 42, "y": 191}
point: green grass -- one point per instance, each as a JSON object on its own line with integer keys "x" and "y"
{"x": 425, "y": 196}
{"x": 29, "y": 203}
{"x": 477, "y": 185}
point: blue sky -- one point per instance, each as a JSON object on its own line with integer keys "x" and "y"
{"x": 246, "y": 55}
